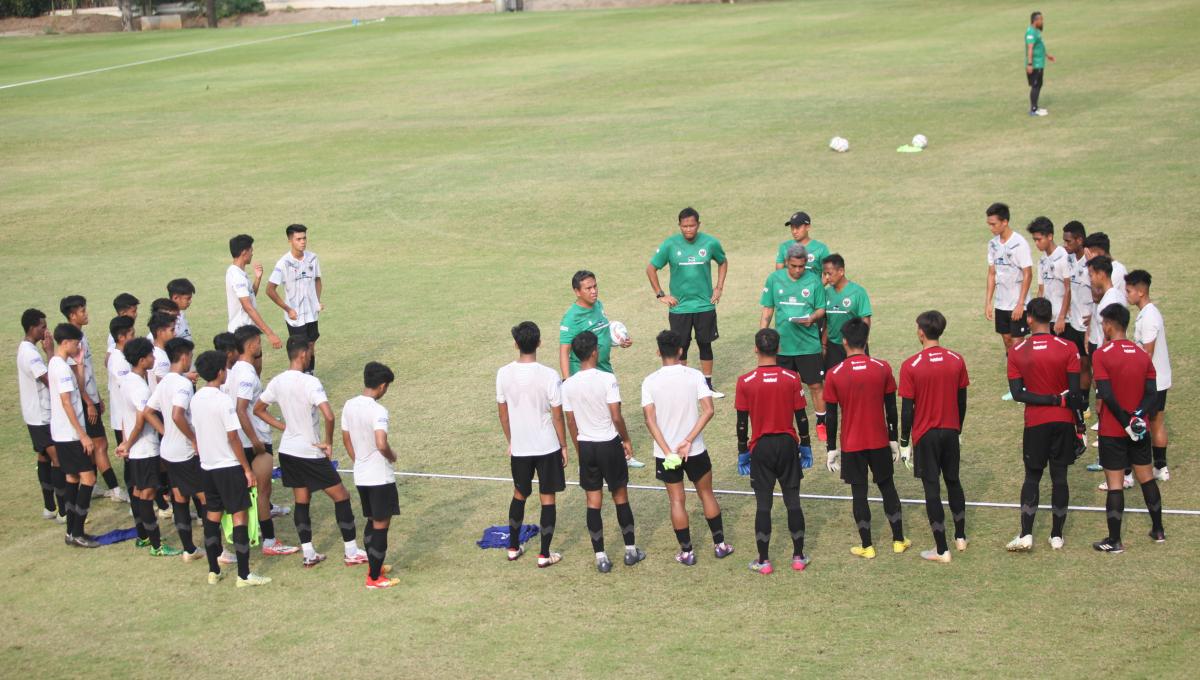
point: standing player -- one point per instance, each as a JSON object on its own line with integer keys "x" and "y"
{"x": 1126, "y": 381}
{"x": 1035, "y": 62}
{"x": 1043, "y": 374}
{"x": 767, "y": 399}
{"x": 592, "y": 404}
{"x": 844, "y": 300}
{"x": 1009, "y": 276}
{"x": 1102, "y": 272}
{"x": 305, "y": 459}
{"x": 1080, "y": 312}
{"x": 669, "y": 399}
{"x": 240, "y": 292}
{"x": 863, "y": 389}
{"x": 529, "y": 401}
{"x": 74, "y": 447}
{"x": 181, "y": 292}
{"x": 1150, "y": 333}
{"x": 796, "y": 299}
{"x": 124, "y": 304}
{"x": 693, "y": 299}
{"x": 32, "y": 386}
{"x": 587, "y": 314}
{"x": 1054, "y": 273}
{"x": 121, "y": 331}
{"x": 933, "y": 390}
{"x": 162, "y": 329}
{"x": 364, "y": 432}
{"x": 801, "y": 225}
{"x": 300, "y": 273}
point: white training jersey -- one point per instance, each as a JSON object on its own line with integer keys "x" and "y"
{"x": 182, "y": 329}
{"x": 675, "y": 391}
{"x": 587, "y": 395}
{"x": 173, "y": 390}
{"x": 1010, "y": 258}
{"x": 135, "y": 392}
{"x": 1081, "y": 295}
{"x": 362, "y": 417}
{"x": 1053, "y": 271}
{"x": 530, "y": 390}
{"x": 299, "y": 281}
{"x": 213, "y": 418}
{"x": 118, "y": 368}
{"x": 62, "y": 381}
{"x": 242, "y": 382}
{"x": 35, "y": 397}
{"x": 298, "y": 395}
{"x": 160, "y": 369}
{"x": 1118, "y": 275}
{"x": 1150, "y": 327}
{"x": 84, "y": 356}
{"x": 1113, "y": 296}
{"x": 237, "y": 286}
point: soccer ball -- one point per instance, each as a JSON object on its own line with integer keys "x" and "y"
{"x": 618, "y": 332}
{"x": 839, "y": 144}
{"x": 920, "y": 142}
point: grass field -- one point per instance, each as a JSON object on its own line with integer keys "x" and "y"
{"x": 455, "y": 172}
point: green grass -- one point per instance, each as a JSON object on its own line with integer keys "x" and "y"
{"x": 456, "y": 171}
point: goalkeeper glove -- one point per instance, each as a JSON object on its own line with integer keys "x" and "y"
{"x": 672, "y": 461}
{"x": 1136, "y": 429}
{"x": 906, "y": 455}
{"x": 743, "y": 464}
{"x": 806, "y": 458}
{"x": 895, "y": 447}
{"x": 833, "y": 460}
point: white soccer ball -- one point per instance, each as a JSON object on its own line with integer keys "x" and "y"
{"x": 839, "y": 144}
{"x": 618, "y": 332}
{"x": 920, "y": 142}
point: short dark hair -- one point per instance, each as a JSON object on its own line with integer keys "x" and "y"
{"x": 1098, "y": 240}
{"x": 689, "y": 212}
{"x": 30, "y": 318}
{"x": 376, "y": 374}
{"x": 159, "y": 321}
{"x": 161, "y": 305}
{"x": 1138, "y": 277}
{"x": 1117, "y": 314}
{"x": 65, "y": 331}
{"x": 210, "y": 364}
{"x": 1033, "y": 17}
{"x": 932, "y": 324}
{"x": 669, "y": 344}
{"x": 999, "y": 210}
{"x": 581, "y": 276}
{"x": 836, "y": 260}
{"x": 295, "y": 345}
{"x": 1075, "y": 227}
{"x": 180, "y": 287}
{"x": 70, "y": 303}
{"x": 137, "y": 349}
{"x": 1040, "y": 310}
{"x": 244, "y": 333}
{"x": 225, "y": 342}
{"x": 766, "y": 341}
{"x": 1101, "y": 263}
{"x": 125, "y": 301}
{"x": 855, "y": 332}
{"x": 1041, "y": 225}
{"x": 584, "y": 345}
{"x": 527, "y": 336}
{"x": 120, "y": 325}
{"x": 295, "y": 229}
{"x": 177, "y": 347}
{"x": 238, "y": 245}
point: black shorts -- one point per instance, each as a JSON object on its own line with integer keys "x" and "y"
{"x": 552, "y": 478}
{"x": 187, "y": 476}
{"x": 695, "y": 467}
{"x": 308, "y": 330}
{"x": 95, "y": 430}
{"x": 1077, "y": 338}
{"x": 225, "y": 490}
{"x": 1091, "y": 348}
{"x": 379, "y": 501}
{"x": 316, "y": 474}
{"x": 811, "y": 367}
{"x": 143, "y": 472}
{"x": 704, "y": 324}
{"x": 602, "y": 462}
{"x": 248, "y": 451}
{"x": 1160, "y": 401}
{"x": 936, "y": 454}
{"x": 835, "y": 353}
{"x": 1035, "y": 78}
{"x": 775, "y": 458}
{"x": 856, "y": 463}
{"x": 40, "y": 436}
{"x": 1006, "y": 326}
{"x": 72, "y": 459}
{"x": 1049, "y": 443}
{"x": 1121, "y": 453}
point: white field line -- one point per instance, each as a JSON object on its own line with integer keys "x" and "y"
{"x": 184, "y": 54}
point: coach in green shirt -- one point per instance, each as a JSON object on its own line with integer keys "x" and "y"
{"x": 801, "y": 225}
{"x": 795, "y": 297}
{"x": 693, "y": 299}
{"x": 844, "y": 300}
{"x": 1035, "y": 61}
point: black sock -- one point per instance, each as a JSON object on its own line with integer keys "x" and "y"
{"x": 183, "y": 526}
{"x": 795, "y": 518}
{"x": 684, "y": 536}
{"x": 70, "y": 495}
{"x": 1160, "y": 456}
{"x": 516, "y": 514}
{"x": 83, "y": 501}
{"x": 135, "y": 504}
{"x": 43, "y": 474}
{"x": 164, "y": 490}
{"x": 160, "y": 500}
{"x": 625, "y": 522}
{"x": 937, "y": 516}
{"x": 345, "y": 519}
{"x": 549, "y": 517}
{"x": 708, "y": 380}
{"x": 1060, "y": 498}
{"x": 891, "y": 508}
{"x": 267, "y": 528}
{"x": 717, "y": 527}
{"x": 1153, "y": 498}
{"x": 376, "y": 552}
{"x": 820, "y": 418}
{"x": 1030, "y": 497}
{"x": 1114, "y": 507}
{"x": 110, "y": 478}
{"x": 595, "y": 527}
{"x": 762, "y": 534}
{"x": 59, "y": 481}
{"x": 212, "y": 544}
{"x": 958, "y": 507}
{"x": 303, "y": 523}
{"x": 862, "y": 513}
{"x": 241, "y": 548}
{"x": 150, "y": 521}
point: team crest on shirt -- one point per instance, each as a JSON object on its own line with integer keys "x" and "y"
{"x": 805, "y": 293}
{"x": 846, "y": 302}
{"x": 703, "y": 252}
{"x": 811, "y": 257}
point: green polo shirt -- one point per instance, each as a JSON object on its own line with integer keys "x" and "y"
{"x": 817, "y": 251}
{"x": 579, "y": 319}
{"x": 691, "y": 271}
{"x": 791, "y": 299}
{"x": 1034, "y": 37}
{"x": 851, "y": 302}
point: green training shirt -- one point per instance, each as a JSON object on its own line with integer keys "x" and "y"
{"x": 851, "y": 302}
{"x": 691, "y": 272}
{"x": 792, "y": 299}
{"x": 579, "y": 319}
{"x": 1034, "y": 37}
{"x": 817, "y": 251}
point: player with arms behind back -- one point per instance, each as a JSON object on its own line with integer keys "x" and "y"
{"x": 1010, "y": 274}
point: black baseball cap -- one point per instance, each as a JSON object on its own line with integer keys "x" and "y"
{"x": 798, "y": 219}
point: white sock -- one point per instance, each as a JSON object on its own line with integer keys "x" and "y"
{"x": 631, "y": 548}
{"x": 309, "y": 551}
{"x": 268, "y": 542}
{"x": 601, "y": 554}
{"x": 351, "y": 548}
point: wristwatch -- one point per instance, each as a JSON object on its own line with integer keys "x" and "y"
{"x": 660, "y": 294}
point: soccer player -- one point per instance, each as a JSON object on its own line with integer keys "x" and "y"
{"x": 1150, "y": 333}
{"x": 75, "y": 448}
{"x": 863, "y": 390}
{"x": 1043, "y": 374}
{"x": 1105, "y": 293}
{"x": 767, "y": 400}
{"x": 529, "y": 402}
{"x": 121, "y": 331}
{"x": 1035, "y": 62}
{"x": 592, "y": 404}
{"x": 364, "y": 432}
{"x": 801, "y": 225}
{"x": 244, "y": 385}
{"x": 226, "y": 473}
{"x": 162, "y": 329}
{"x": 670, "y": 397}
{"x": 181, "y": 292}
{"x": 933, "y": 393}
{"x": 124, "y": 304}
{"x": 587, "y": 314}
{"x": 844, "y": 300}
{"x": 1097, "y": 244}
{"x": 240, "y": 292}
{"x": 1080, "y": 311}
{"x": 796, "y": 299}
{"x": 305, "y": 459}
{"x": 1009, "y": 277}
{"x": 1126, "y": 382}
{"x": 140, "y": 447}
{"x": 693, "y": 298}
{"x": 1054, "y": 273}
{"x": 33, "y": 388}
{"x": 299, "y": 271}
